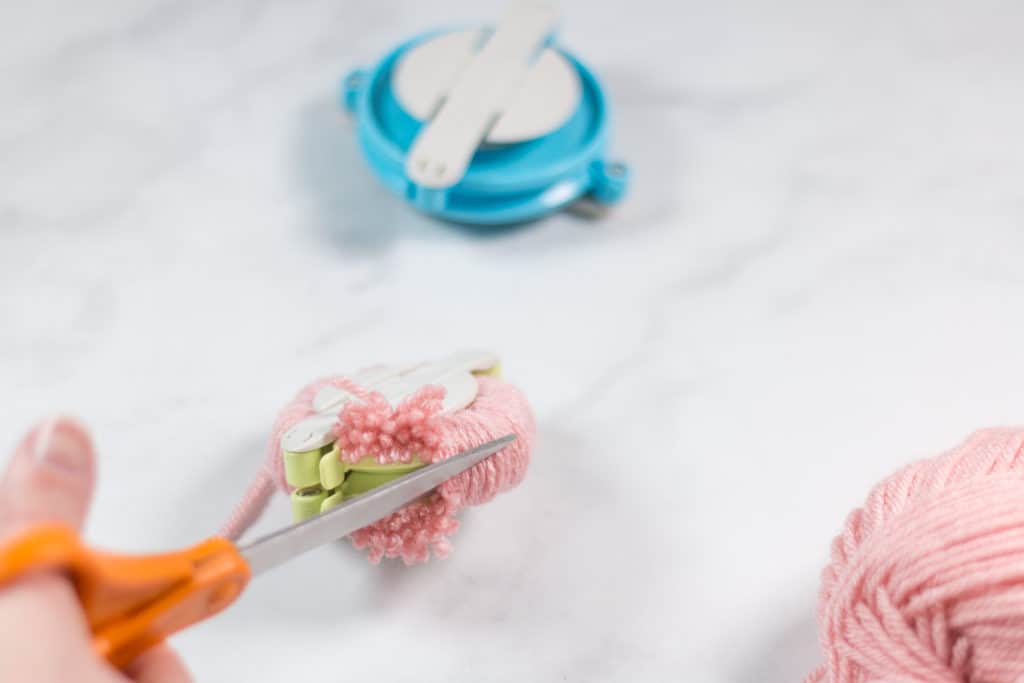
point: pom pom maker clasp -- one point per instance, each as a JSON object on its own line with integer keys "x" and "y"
{"x": 312, "y": 459}
{"x": 487, "y": 126}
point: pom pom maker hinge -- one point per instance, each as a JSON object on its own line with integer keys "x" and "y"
{"x": 312, "y": 462}
{"x": 487, "y": 126}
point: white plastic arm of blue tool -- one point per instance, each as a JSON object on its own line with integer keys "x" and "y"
{"x": 442, "y": 152}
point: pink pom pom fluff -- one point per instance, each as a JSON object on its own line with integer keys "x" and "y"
{"x": 371, "y": 427}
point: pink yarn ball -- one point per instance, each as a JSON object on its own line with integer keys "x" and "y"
{"x": 926, "y": 582}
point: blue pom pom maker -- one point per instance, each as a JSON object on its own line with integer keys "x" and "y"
{"x": 488, "y": 126}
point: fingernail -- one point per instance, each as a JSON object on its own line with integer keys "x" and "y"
{"x": 62, "y": 443}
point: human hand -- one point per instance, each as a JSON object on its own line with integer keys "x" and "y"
{"x": 43, "y": 633}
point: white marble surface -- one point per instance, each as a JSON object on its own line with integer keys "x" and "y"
{"x": 817, "y": 278}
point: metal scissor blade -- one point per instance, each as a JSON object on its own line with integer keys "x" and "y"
{"x": 282, "y": 545}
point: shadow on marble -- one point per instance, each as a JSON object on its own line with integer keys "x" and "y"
{"x": 645, "y": 134}
{"x": 788, "y": 654}
{"x": 600, "y": 568}
{"x": 353, "y": 212}
{"x": 211, "y": 500}
{"x": 581, "y": 569}
{"x": 350, "y": 209}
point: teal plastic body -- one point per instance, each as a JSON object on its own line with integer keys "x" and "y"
{"x": 504, "y": 184}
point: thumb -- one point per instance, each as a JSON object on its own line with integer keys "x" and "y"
{"x": 49, "y": 478}
{"x": 159, "y": 665}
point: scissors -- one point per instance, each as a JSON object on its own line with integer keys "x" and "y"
{"x": 133, "y": 602}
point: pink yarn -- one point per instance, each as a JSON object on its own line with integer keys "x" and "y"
{"x": 372, "y": 427}
{"x": 256, "y": 497}
{"x": 926, "y": 582}
{"x": 394, "y": 434}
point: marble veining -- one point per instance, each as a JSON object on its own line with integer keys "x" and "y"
{"x": 816, "y": 279}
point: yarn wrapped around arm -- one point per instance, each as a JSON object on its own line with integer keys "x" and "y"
{"x": 415, "y": 427}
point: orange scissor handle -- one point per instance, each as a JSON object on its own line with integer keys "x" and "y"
{"x": 132, "y": 602}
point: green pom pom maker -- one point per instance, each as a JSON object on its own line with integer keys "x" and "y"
{"x": 312, "y": 460}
